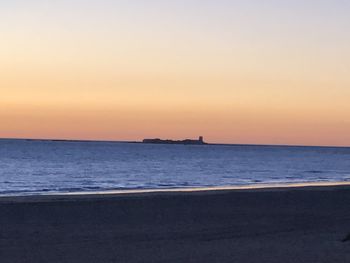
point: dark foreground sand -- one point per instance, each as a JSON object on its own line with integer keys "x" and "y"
{"x": 276, "y": 225}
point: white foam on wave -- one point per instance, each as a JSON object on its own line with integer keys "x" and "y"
{"x": 221, "y": 188}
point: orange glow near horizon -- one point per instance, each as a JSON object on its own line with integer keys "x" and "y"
{"x": 115, "y": 72}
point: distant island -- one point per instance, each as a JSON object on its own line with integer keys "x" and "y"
{"x": 200, "y": 141}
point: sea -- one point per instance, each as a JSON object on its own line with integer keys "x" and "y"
{"x": 32, "y": 167}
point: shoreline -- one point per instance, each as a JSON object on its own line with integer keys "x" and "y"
{"x": 250, "y": 187}
{"x": 71, "y": 196}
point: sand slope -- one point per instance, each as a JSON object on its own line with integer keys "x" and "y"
{"x": 277, "y": 225}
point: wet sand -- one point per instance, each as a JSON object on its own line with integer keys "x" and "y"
{"x": 305, "y": 224}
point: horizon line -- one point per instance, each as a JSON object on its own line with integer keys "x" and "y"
{"x": 207, "y": 143}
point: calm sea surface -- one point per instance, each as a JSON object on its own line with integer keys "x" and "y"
{"x": 32, "y": 167}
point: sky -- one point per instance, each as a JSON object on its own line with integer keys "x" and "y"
{"x": 255, "y": 72}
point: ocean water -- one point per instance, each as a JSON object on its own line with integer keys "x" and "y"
{"x": 41, "y": 167}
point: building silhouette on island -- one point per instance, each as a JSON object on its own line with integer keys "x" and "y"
{"x": 200, "y": 141}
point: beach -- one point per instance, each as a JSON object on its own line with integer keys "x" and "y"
{"x": 291, "y": 224}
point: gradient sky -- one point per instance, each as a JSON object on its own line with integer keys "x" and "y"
{"x": 265, "y": 72}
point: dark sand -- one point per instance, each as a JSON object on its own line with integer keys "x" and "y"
{"x": 276, "y": 225}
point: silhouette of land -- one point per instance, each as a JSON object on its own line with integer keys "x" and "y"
{"x": 200, "y": 141}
